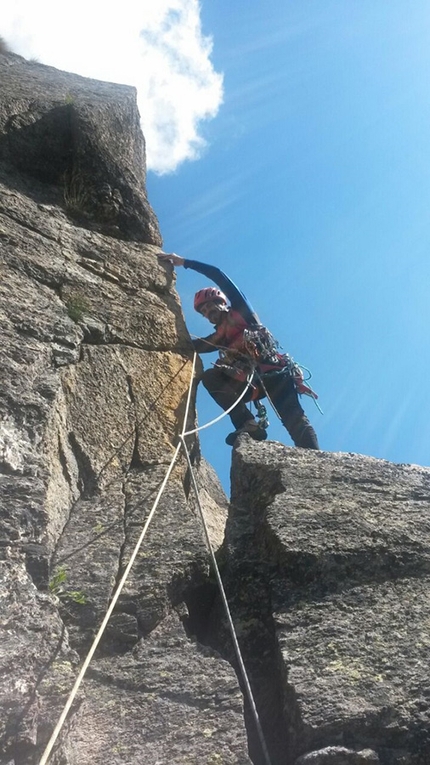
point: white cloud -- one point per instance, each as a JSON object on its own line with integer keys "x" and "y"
{"x": 156, "y": 45}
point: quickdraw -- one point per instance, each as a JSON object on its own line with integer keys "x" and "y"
{"x": 263, "y": 420}
{"x": 299, "y": 381}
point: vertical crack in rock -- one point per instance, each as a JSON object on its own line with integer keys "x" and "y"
{"x": 87, "y": 483}
{"x": 135, "y": 460}
{"x": 89, "y": 553}
{"x": 275, "y": 700}
{"x": 248, "y": 594}
{"x": 121, "y": 632}
{"x": 248, "y": 575}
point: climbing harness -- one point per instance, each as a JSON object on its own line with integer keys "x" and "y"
{"x": 262, "y": 351}
{"x": 79, "y": 679}
{"x": 238, "y": 366}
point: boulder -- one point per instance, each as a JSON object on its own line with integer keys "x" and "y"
{"x": 328, "y": 566}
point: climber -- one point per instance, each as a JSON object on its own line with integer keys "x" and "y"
{"x": 247, "y": 352}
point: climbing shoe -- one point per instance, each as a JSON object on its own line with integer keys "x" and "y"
{"x": 252, "y": 428}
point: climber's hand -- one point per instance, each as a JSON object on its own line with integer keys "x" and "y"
{"x": 171, "y": 257}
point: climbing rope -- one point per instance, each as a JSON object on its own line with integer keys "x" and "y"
{"x": 227, "y": 411}
{"x": 149, "y": 408}
{"x": 59, "y": 561}
{"x": 85, "y": 665}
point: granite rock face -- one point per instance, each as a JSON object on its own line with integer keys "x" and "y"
{"x": 96, "y": 366}
{"x": 328, "y": 570}
{"x": 166, "y": 691}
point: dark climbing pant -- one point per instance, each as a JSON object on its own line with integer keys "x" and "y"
{"x": 281, "y": 391}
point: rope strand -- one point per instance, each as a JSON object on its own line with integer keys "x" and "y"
{"x": 227, "y": 411}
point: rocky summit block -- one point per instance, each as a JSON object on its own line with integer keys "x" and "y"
{"x": 328, "y": 570}
{"x": 82, "y": 139}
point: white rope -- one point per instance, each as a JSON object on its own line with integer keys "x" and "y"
{"x": 117, "y": 593}
{"x": 237, "y": 650}
{"x": 227, "y": 411}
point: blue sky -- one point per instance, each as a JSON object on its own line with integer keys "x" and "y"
{"x": 313, "y": 194}
{"x": 288, "y": 143}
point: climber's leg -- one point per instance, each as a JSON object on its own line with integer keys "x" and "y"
{"x": 282, "y": 392}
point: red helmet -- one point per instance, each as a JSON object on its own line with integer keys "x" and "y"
{"x": 209, "y": 295}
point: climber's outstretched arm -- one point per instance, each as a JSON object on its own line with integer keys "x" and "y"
{"x": 237, "y": 299}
